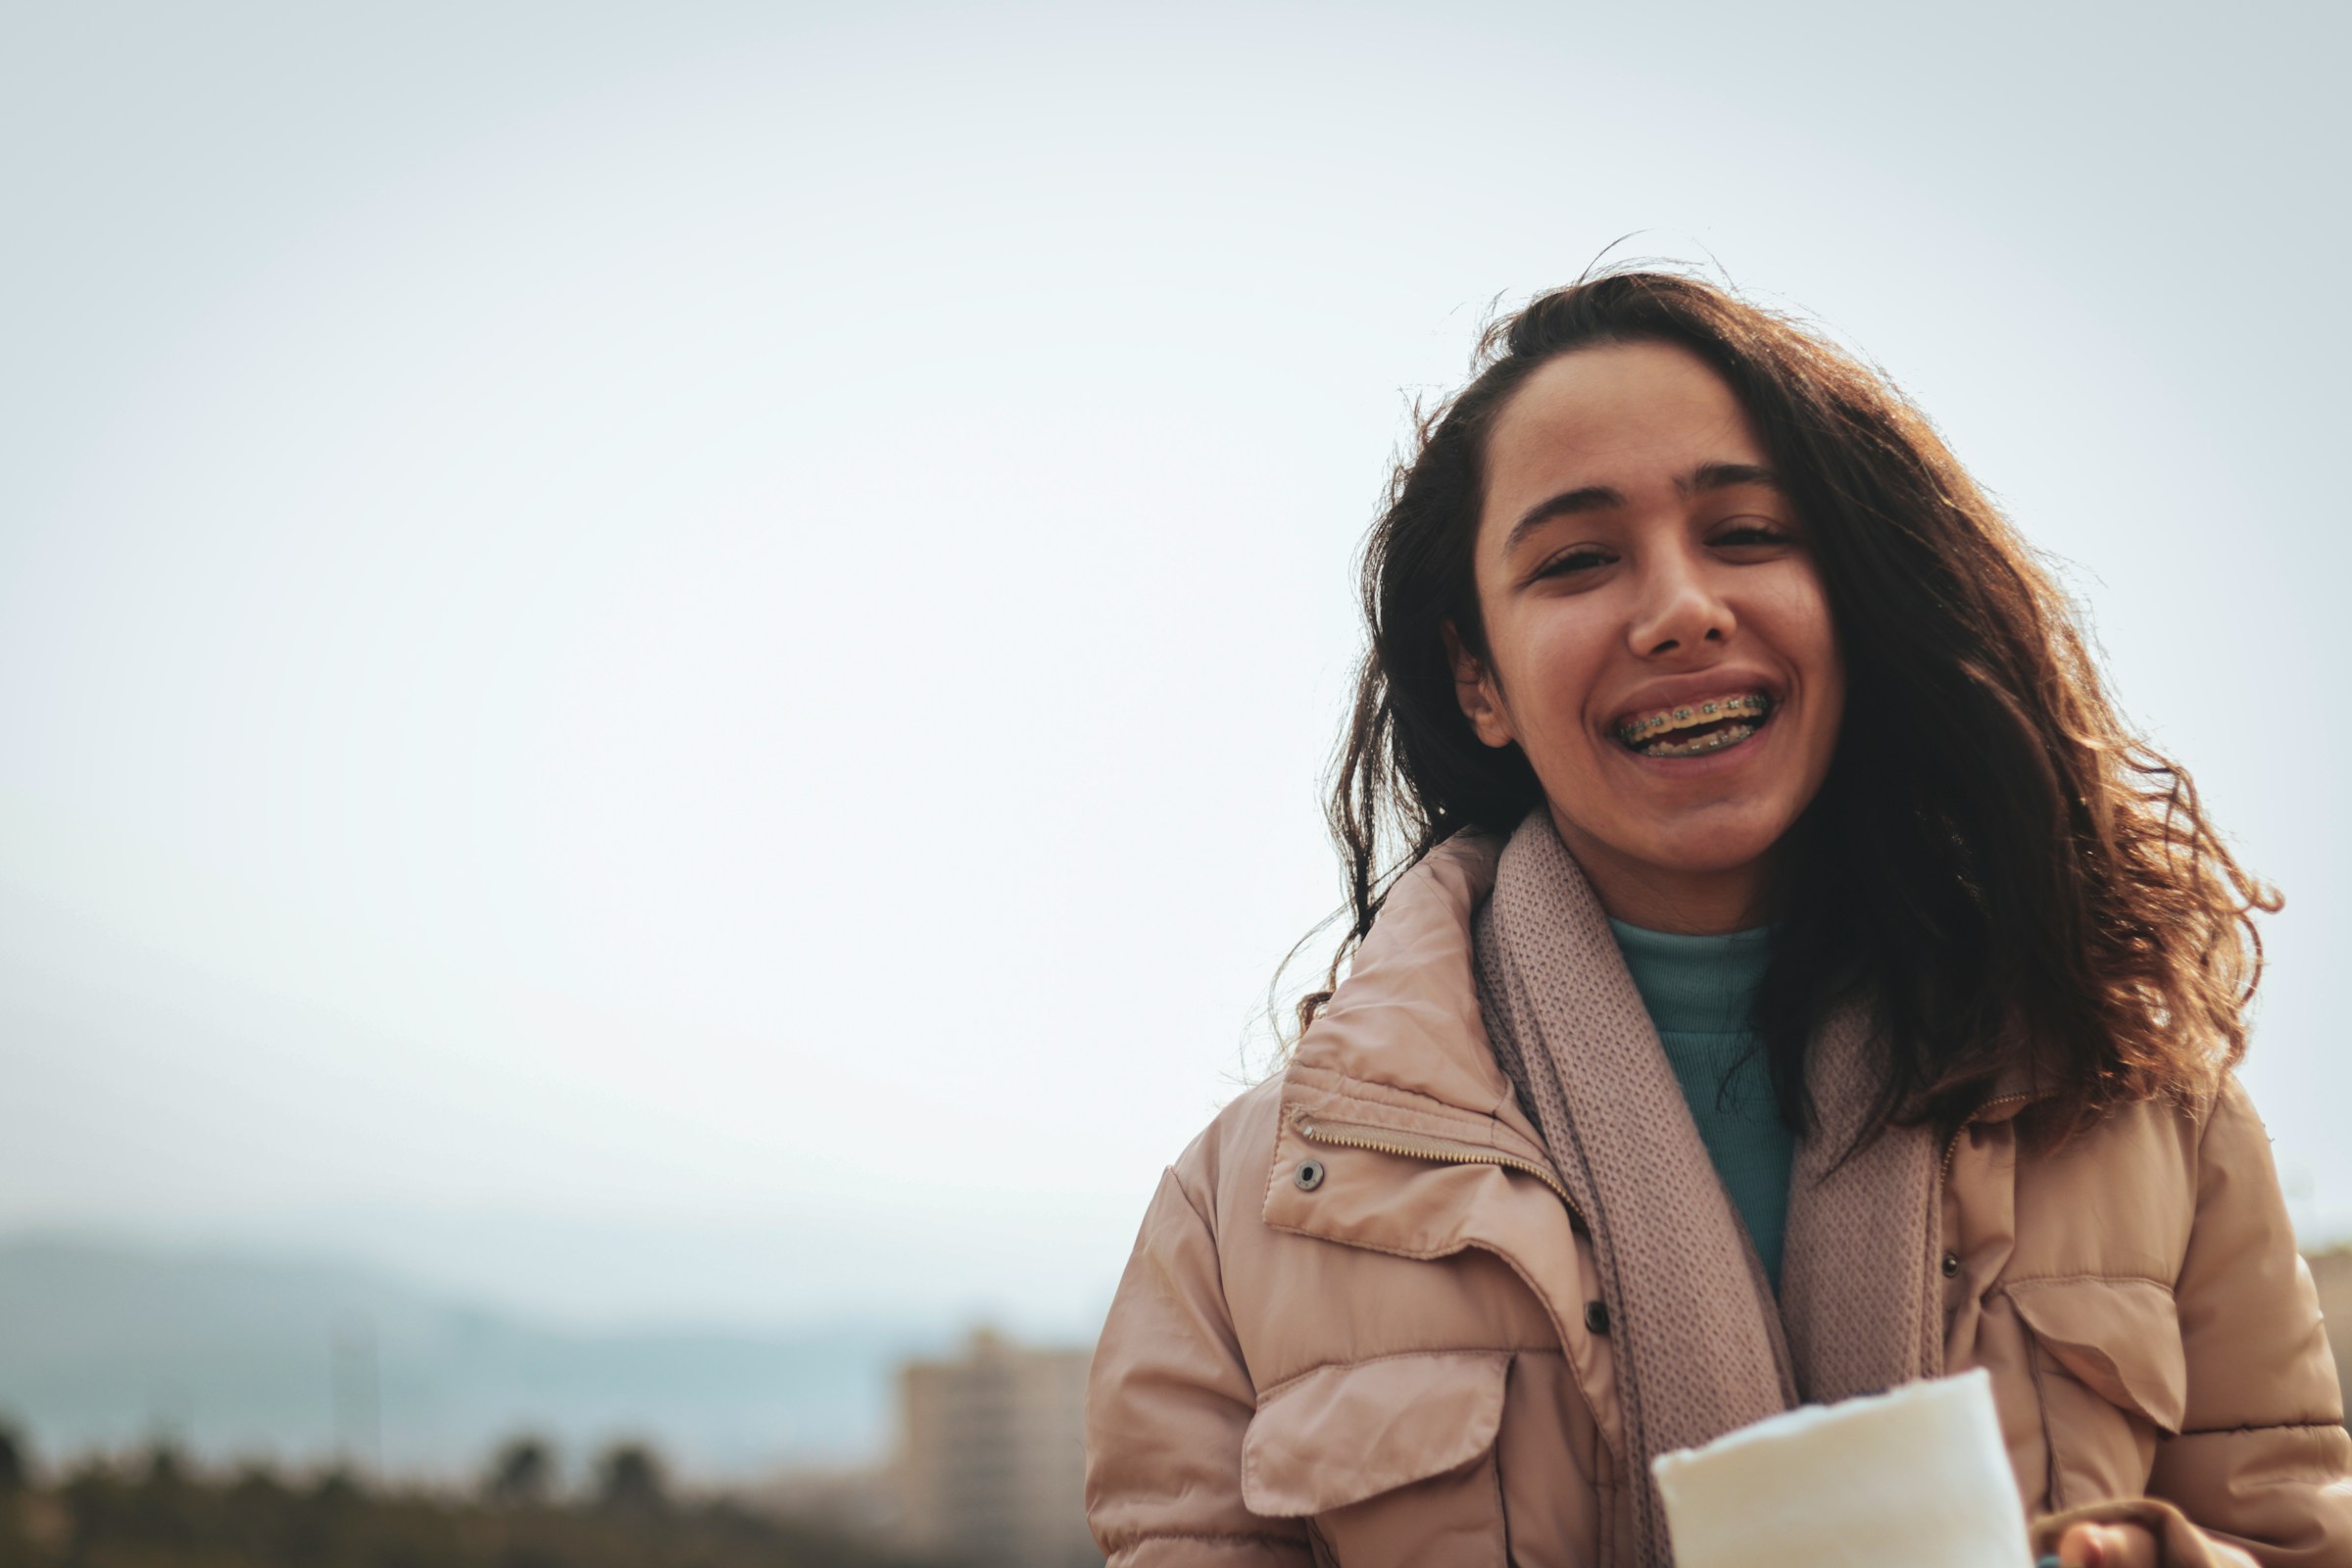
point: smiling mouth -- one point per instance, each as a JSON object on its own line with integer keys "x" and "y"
{"x": 1696, "y": 728}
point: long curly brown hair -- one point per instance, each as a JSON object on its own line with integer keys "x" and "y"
{"x": 1995, "y": 863}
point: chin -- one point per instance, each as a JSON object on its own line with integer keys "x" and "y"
{"x": 1708, "y": 849}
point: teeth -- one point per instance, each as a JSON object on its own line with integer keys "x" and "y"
{"x": 1755, "y": 705}
{"x": 1705, "y": 743}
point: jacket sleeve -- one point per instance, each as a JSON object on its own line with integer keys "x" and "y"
{"x": 1167, "y": 1403}
{"x": 2261, "y": 1471}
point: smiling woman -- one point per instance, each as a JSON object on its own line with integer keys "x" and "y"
{"x": 1774, "y": 975}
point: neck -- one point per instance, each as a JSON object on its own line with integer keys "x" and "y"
{"x": 1659, "y": 897}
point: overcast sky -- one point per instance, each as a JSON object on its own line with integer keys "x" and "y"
{"x": 676, "y": 660}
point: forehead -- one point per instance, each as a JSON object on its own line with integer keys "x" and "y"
{"x": 1630, "y": 416}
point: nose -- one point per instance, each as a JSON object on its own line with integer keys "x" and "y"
{"x": 1680, "y": 608}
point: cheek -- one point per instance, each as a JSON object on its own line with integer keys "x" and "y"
{"x": 1549, "y": 673}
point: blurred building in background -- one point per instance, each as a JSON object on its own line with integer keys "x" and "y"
{"x": 991, "y": 1467}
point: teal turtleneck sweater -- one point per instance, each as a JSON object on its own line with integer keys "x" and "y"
{"x": 1699, "y": 990}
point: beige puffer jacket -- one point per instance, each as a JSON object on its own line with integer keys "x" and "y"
{"x": 1361, "y": 1326}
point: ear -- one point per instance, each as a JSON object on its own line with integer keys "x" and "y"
{"x": 1475, "y": 688}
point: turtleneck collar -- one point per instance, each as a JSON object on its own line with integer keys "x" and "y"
{"x": 1696, "y": 985}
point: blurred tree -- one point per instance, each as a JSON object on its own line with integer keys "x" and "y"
{"x": 167, "y": 1469}
{"x": 336, "y": 1492}
{"x": 15, "y": 1458}
{"x": 88, "y": 1491}
{"x": 324, "y": 1518}
{"x": 522, "y": 1473}
{"x": 629, "y": 1480}
{"x": 111, "y": 1514}
{"x": 257, "y": 1515}
{"x": 528, "y": 1554}
{"x": 161, "y": 1508}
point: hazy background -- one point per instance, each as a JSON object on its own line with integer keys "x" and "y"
{"x": 669, "y": 666}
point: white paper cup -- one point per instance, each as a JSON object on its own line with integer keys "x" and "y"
{"x": 1918, "y": 1476}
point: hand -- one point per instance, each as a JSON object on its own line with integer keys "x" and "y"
{"x": 2106, "y": 1546}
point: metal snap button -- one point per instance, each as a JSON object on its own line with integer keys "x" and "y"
{"x": 1951, "y": 1264}
{"x": 1309, "y": 1175}
{"x": 1597, "y": 1316}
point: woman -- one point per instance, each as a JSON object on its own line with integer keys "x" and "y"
{"x": 1798, "y": 982}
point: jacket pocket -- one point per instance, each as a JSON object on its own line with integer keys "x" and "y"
{"x": 2112, "y": 1377}
{"x": 1391, "y": 1459}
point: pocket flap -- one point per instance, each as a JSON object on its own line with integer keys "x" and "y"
{"x": 1340, "y": 1433}
{"x": 2121, "y": 1338}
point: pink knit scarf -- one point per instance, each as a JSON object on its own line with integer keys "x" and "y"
{"x": 1699, "y": 1346}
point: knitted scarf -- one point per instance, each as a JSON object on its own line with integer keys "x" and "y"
{"x": 1699, "y": 1346}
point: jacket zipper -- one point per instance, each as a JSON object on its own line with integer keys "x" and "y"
{"x": 1954, "y": 1147}
{"x": 1350, "y": 1136}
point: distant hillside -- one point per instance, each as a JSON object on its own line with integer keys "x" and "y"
{"x": 106, "y": 1345}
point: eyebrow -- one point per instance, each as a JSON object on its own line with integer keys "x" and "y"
{"x": 1604, "y": 498}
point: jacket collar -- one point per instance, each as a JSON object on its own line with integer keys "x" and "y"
{"x": 1404, "y": 1032}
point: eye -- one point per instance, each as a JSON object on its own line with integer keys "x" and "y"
{"x": 1570, "y": 563}
{"x": 1751, "y": 532}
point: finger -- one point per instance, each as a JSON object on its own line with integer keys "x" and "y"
{"x": 2107, "y": 1546}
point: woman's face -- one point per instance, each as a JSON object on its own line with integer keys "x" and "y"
{"x": 1658, "y": 641}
